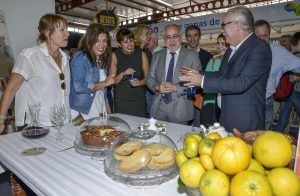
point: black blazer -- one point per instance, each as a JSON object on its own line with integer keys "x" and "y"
{"x": 242, "y": 81}
{"x": 204, "y": 57}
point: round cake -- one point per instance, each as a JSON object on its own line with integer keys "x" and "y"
{"x": 99, "y": 136}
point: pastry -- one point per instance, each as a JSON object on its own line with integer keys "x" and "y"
{"x": 155, "y": 148}
{"x": 128, "y": 148}
{"x": 138, "y": 160}
{"x": 99, "y": 136}
{"x": 153, "y": 165}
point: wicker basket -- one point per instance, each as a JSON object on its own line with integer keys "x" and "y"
{"x": 250, "y": 136}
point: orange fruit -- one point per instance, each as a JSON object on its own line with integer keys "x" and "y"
{"x": 284, "y": 182}
{"x": 213, "y": 136}
{"x": 180, "y": 158}
{"x": 206, "y": 162}
{"x": 190, "y": 173}
{"x": 190, "y": 146}
{"x": 231, "y": 155}
{"x": 272, "y": 149}
{"x": 214, "y": 182}
{"x": 206, "y": 146}
{"x": 250, "y": 183}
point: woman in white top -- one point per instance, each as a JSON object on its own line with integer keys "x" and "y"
{"x": 41, "y": 74}
{"x": 89, "y": 70}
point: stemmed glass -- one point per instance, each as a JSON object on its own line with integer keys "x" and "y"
{"x": 57, "y": 116}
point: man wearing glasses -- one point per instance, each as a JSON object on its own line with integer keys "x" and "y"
{"x": 243, "y": 74}
{"x": 170, "y": 101}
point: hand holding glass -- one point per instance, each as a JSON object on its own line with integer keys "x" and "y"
{"x": 57, "y": 116}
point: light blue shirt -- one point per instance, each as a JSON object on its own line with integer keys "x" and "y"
{"x": 282, "y": 61}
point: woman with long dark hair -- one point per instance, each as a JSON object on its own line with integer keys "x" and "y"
{"x": 89, "y": 74}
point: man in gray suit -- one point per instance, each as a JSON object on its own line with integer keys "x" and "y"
{"x": 243, "y": 74}
{"x": 170, "y": 101}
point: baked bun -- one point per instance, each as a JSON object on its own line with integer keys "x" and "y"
{"x": 128, "y": 148}
{"x": 138, "y": 160}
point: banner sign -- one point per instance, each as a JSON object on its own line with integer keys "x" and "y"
{"x": 277, "y": 14}
{"x": 107, "y": 18}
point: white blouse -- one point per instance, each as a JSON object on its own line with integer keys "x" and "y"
{"x": 41, "y": 84}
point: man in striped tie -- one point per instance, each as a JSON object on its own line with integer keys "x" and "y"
{"x": 170, "y": 100}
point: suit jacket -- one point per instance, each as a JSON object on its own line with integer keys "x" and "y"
{"x": 242, "y": 81}
{"x": 204, "y": 58}
{"x": 183, "y": 107}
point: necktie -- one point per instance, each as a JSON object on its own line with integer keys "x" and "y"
{"x": 168, "y": 96}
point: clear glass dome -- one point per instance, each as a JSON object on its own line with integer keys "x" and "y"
{"x": 95, "y": 136}
{"x": 142, "y": 162}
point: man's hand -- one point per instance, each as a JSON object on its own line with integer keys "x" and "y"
{"x": 166, "y": 87}
{"x": 129, "y": 71}
{"x": 190, "y": 78}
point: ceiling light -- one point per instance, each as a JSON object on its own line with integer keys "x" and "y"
{"x": 135, "y": 20}
{"x": 129, "y": 22}
{"x": 81, "y": 23}
{"x": 165, "y": 3}
{"x": 124, "y": 22}
{"x": 149, "y": 17}
{"x": 165, "y": 14}
{"x": 121, "y": 15}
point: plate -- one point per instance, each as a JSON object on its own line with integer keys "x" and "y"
{"x": 35, "y": 132}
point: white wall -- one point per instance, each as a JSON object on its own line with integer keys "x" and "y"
{"x": 22, "y": 17}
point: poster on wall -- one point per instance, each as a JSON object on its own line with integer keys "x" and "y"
{"x": 6, "y": 59}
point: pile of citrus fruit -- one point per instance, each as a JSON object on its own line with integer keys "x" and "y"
{"x": 229, "y": 166}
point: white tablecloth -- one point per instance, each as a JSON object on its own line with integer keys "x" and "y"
{"x": 70, "y": 173}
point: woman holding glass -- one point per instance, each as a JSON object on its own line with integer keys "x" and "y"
{"x": 130, "y": 66}
{"x": 210, "y": 110}
{"x": 41, "y": 74}
{"x": 88, "y": 73}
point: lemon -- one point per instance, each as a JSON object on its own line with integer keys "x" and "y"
{"x": 190, "y": 146}
{"x": 180, "y": 158}
{"x": 213, "y": 136}
{"x": 206, "y": 162}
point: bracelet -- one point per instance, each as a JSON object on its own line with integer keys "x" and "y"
{"x": 2, "y": 119}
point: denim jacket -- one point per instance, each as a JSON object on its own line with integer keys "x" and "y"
{"x": 83, "y": 77}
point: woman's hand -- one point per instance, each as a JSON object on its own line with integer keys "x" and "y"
{"x": 2, "y": 127}
{"x": 129, "y": 71}
{"x": 135, "y": 82}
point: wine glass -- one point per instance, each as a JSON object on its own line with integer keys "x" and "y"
{"x": 57, "y": 116}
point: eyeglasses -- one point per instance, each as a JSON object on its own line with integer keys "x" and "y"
{"x": 174, "y": 37}
{"x": 62, "y": 78}
{"x": 224, "y": 24}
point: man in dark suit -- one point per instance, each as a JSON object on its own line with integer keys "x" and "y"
{"x": 170, "y": 102}
{"x": 193, "y": 36}
{"x": 243, "y": 74}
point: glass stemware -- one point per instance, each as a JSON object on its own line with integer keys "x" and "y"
{"x": 57, "y": 116}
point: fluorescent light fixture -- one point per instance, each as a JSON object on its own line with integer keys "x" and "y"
{"x": 149, "y": 17}
{"x": 165, "y": 3}
{"x": 121, "y": 15}
{"x": 80, "y": 23}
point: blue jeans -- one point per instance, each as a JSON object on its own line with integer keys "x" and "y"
{"x": 269, "y": 112}
{"x": 286, "y": 109}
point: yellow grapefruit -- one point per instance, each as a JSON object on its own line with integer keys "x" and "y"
{"x": 214, "y": 182}
{"x": 256, "y": 166}
{"x": 190, "y": 173}
{"x": 272, "y": 149}
{"x": 250, "y": 183}
{"x": 231, "y": 155}
{"x": 284, "y": 182}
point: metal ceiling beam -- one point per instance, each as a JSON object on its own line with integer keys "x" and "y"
{"x": 141, "y": 4}
{"x": 126, "y": 5}
{"x": 65, "y": 6}
{"x": 156, "y": 2}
